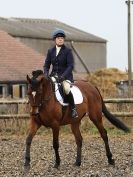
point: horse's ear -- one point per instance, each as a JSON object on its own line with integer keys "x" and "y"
{"x": 28, "y": 79}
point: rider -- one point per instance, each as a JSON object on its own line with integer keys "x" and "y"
{"x": 62, "y": 61}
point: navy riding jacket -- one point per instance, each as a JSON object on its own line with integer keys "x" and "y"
{"x": 62, "y": 64}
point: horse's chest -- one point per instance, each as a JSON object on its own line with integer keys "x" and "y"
{"x": 46, "y": 122}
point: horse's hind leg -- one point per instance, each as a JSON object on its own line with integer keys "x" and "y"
{"x": 32, "y": 131}
{"x": 78, "y": 138}
{"x": 55, "y": 131}
{"x": 99, "y": 124}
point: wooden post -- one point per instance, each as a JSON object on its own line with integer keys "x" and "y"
{"x": 129, "y": 49}
{"x": 23, "y": 91}
{"x": 4, "y": 91}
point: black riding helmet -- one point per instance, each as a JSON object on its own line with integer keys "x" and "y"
{"x": 58, "y": 33}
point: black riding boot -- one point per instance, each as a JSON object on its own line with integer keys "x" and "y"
{"x": 72, "y": 105}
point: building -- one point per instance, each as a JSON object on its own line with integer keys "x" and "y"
{"x": 24, "y": 44}
{"x": 16, "y": 61}
{"x": 89, "y": 50}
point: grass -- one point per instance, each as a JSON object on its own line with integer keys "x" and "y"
{"x": 20, "y": 127}
{"x": 88, "y": 128}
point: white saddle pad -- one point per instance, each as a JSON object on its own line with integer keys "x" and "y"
{"x": 77, "y": 95}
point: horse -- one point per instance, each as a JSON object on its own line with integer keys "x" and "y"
{"x": 47, "y": 111}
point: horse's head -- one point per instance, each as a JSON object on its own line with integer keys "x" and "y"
{"x": 35, "y": 89}
{"x": 35, "y": 81}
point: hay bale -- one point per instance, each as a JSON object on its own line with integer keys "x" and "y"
{"x": 105, "y": 79}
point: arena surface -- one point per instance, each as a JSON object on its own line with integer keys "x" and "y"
{"x": 94, "y": 161}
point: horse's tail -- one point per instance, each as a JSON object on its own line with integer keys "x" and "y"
{"x": 115, "y": 121}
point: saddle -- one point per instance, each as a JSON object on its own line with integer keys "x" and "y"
{"x": 62, "y": 97}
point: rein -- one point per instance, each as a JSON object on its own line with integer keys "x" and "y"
{"x": 44, "y": 100}
{"x": 53, "y": 91}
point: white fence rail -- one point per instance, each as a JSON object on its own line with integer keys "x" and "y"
{"x": 26, "y": 116}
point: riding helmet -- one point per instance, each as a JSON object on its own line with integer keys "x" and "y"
{"x": 58, "y": 33}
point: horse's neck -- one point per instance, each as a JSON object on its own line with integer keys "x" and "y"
{"x": 48, "y": 90}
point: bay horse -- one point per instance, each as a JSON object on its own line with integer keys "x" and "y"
{"x": 47, "y": 111}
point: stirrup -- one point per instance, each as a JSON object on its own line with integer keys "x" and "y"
{"x": 74, "y": 113}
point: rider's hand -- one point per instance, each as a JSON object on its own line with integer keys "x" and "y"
{"x": 61, "y": 79}
{"x": 47, "y": 76}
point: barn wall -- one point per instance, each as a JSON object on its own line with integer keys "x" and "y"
{"x": 39, "y": 45}
{"x": 93, "y": 54}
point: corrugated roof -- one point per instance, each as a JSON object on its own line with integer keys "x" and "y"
{"x": 16, "y": 59}
{"x": 43, "y": 28}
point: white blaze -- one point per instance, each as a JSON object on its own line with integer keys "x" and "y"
{"x": 34, "y": 93}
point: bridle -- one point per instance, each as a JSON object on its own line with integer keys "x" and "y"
{"x": 43, "y": 100}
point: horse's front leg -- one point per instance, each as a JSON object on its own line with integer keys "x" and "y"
{"x": 78, "y": 138}
{"x": 32, "y": 131}
{"x": 55, "y": 131}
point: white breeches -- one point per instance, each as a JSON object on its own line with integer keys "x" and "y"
{"x": 66, "y": 85}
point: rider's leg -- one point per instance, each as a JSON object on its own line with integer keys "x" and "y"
{"x": 66, "y": 87}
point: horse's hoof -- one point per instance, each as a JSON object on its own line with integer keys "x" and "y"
{"x": 77, "y": 164}
{"x": 26, "y": 168}
{"x": 27, "y": 165}
{"x": 112, "y": 162}
{"x": 56, "y": 166}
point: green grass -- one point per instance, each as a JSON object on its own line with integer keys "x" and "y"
{"x": 87, "y": 127}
